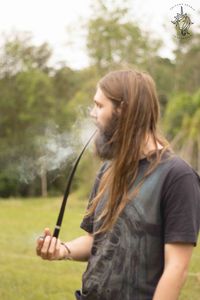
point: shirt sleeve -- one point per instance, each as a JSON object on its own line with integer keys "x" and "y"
{"x": 87, "y": 222}
{"x": 181, "y": 209}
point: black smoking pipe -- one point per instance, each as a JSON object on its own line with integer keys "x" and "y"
{"x": 67, "y": 190}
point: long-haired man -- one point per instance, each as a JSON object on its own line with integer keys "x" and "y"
{"x": 143, "y": 215}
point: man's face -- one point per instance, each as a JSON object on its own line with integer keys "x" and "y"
{"x": 106, "y": 119}
{"x": 102, "y": 110}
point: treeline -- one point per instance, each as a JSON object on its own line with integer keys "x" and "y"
{"x": 32, "y": 94}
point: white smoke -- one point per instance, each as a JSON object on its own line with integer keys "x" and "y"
{"x": 55, "y": 149}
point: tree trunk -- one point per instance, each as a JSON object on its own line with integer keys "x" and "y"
{"x": 44, "y": 183}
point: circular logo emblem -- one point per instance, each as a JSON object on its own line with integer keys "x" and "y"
{"x": 182, "y": 20}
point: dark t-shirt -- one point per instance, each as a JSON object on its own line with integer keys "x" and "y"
{"x": 127, "y": 262}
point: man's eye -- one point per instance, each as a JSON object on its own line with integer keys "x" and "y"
{"x": 98, "y": 105}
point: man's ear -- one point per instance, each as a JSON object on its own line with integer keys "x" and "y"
{"x": 119, "y": 108}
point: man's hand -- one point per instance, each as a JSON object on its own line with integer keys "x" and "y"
{"x": 50, "y": 248}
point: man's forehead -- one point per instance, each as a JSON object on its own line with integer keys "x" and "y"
{"x": 99, "y": 96}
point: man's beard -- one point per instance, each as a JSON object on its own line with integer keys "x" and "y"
{"x": 105, "y": 142}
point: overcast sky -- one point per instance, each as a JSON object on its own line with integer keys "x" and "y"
{"x": 49, "y": 20}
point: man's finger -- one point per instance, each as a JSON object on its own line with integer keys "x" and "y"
{"x": 57, "y": 249}
{"x": 47, "y": 231}
{"x": 39, "y": 244}
{"x": 52, "y": 248}
{"x": 45, "y": 247}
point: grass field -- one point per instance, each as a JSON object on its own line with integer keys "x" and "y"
{"x": 24, "y": 276}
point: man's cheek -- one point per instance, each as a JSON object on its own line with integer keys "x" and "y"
{"x": 99, "y": 126}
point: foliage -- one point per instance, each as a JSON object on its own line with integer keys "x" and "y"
{"x": 182, "y": 123}
{"x": 18, "y": 54}
{"x": 114, "y": 41}
{"x": 34, "y": 95}
{"x": 31, "y": 97}
{"x": 187, "y": 72}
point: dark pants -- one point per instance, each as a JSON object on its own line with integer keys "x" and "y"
{"x": 78, "y": 295}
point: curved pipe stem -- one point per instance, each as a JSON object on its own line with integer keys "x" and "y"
{"x": 67, "y": 190}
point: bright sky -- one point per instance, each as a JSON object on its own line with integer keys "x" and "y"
{"x": 50, "y": 20}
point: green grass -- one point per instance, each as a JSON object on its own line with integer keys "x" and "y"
{"x": 24, "y": 276}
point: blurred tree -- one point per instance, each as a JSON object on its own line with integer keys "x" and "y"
{"x": 31, "y": 96}
{"x": 178, "y": 107}
{"x": 187, "y": 58}
{"x": 162, "y": 70}
{"x": 19, "y": 54}
{"x": 66, "y": 82}
{"x": 115, "y": 41}
{"x": 25, "y": 100}
{"x": 182, "y": 124}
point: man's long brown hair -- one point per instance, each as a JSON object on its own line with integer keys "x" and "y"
{"x": 135, "y": 93}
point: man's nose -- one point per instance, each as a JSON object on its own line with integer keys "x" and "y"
{"x": 93, "y": 113}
